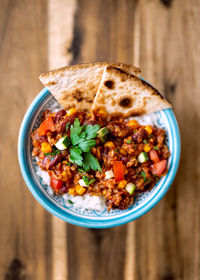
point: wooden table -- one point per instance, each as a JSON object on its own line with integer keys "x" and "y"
{"x": 162, "y": 37}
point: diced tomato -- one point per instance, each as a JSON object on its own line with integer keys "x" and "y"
{"x": 118, "y": 171}
{"x": 154, "y": 156}
{"x": 56, "y": 184}
{"x": 159, "y": 167}
{"x": 47, "y": 125}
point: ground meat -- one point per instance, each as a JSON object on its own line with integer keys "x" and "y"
{"x": 124, "y": 145}
{"x": 140, "y": 135}
{"x": 165, "y": 152}
{"x": 132, "y": 162}
{"x": 37, "y": 139}
{"x": 160, "y": 136}
{"x": 118, "y": 129}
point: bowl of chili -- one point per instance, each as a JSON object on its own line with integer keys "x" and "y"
{"x": 94, "y": 219}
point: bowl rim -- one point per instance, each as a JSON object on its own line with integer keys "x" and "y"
{"x": 84, "y": 222}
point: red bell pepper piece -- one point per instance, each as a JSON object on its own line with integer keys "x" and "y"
{"x": 154, "y": 156}
{"x": 159, "y": 167}
{"x": 118, "y": 171}
{"x": 47, "y": 125}
{"x": 56, "y": 184}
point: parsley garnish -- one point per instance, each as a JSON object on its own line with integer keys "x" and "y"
{"x": 145, "y": 141}
{"x": 116, "y": 150}
{"x": 75, "y": 156}
{"x": 89, "y": 161}
{"x": 56, "y": 152}
{"x": 134, "y": 131}
{"x": 156, "y": 148}
{"x": 76, "y": 133}
{"x": 91, "y": 131}
{"x": 86, "y": 145}
{"x": 87, "y": 180}
{"x": 68, "y": 163}
{"x": 81, "y": 144}
{"x": 70, "y": 201}
{"x": 128, "y": 141}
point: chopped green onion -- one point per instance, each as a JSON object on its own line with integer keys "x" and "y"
{"x": 81, "y": 170}
{"x": 128, "y": 141}
{"x": 156, "y": 148}
{"x": 70, "y": 201}
{"x": 144, "y": 175}
{"x": 145, "y": 141}
{"x": 56, "y": 152}
{"x": 87, "y": 180}
{"x": 67, "y": 126}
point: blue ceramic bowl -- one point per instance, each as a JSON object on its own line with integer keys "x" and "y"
{"x": 92, "y": 218}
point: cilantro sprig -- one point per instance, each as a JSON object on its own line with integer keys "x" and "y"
{"x": 81, "y": 143}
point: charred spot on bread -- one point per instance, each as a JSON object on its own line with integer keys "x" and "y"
{"x": 51, "y": 83}
{"x": 109, "y": 84}
{"x": 89, "y": 100}
{"x": 120, "y": 70}
{"x": 125, "y": 102}
{"x": 77, "y": 94}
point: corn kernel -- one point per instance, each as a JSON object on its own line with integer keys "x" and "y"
{"x": 148, "y": 129}
{"x": 80, "y": 189}
{"x": 103, "y": 113}
{"x": 71, "y": 111}
{"x": 71, "y": 191}
{"x": 122, "y": 184}
{"x": 147, "y": 148}
{"x": 104, "y": 192}
{"x": 133, "y": 123}
{"x": 123, "y": 152}
{"x": 64, "y": 176}
{"x": 109, "y": 144}
{"x": 98, "y": 153}
{"x": 46, "y": 147}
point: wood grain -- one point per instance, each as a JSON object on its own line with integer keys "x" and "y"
{"x": 162, "y": 37}
{"x": 25, "y": 249}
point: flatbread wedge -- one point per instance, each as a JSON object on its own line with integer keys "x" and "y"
{"x": 77, "y": 85}
{"x": 124, "y": 95}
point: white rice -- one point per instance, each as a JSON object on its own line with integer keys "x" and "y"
{"x": 86, "y": 201}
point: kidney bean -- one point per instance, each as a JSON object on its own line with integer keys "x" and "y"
{"x": 59, "y": 115}
{"x": 55, "y": 160}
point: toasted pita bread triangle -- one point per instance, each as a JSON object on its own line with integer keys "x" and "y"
{"x": 77, "y": 85}
{"x": 122, "y": 94}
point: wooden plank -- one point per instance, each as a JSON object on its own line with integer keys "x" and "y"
{"x": 99, "y": 28}
{"x": 25, "y": 248}
{"x": 60, "y": 32}
{"x": 167, "y": 238}
{"x": 161, "y": 37}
